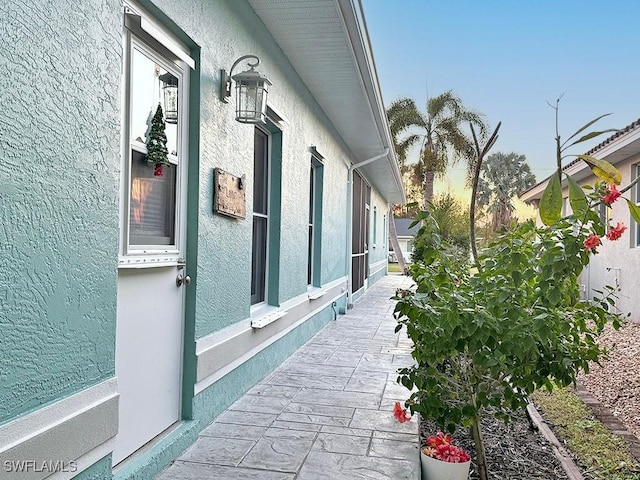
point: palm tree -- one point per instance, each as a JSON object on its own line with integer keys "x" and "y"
{"x": 502, "y": 177}
{"x": 439, "y": 130}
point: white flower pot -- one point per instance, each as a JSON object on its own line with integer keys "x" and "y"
{"x": 434, "y": 469}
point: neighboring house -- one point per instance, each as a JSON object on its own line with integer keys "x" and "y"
{"x": 135, "y": 308}
{"x": 616, "y": 262}
{"x": 405, "y": 238}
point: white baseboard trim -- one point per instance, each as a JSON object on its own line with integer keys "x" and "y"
{"x": 65, "y": 437}
{"x": 376, "y": 267}
{"x": 220, "y": 353}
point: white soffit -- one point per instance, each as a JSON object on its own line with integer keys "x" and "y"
{"x": 316, "y": 37}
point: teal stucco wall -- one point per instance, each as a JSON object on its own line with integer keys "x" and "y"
{"x": 224, "y": 244}
{"x": 59, "y": 164}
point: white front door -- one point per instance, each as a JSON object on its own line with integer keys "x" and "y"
{"x": 150, "y": 310}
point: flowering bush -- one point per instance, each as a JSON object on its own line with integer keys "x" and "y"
{"x": 441, "y": 447}
{"x": 488, "y": 334}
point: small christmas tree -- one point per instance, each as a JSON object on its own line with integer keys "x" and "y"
{"x": 157, "y": 152}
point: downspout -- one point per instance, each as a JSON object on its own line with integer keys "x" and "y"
{"x": 352, "y": 169}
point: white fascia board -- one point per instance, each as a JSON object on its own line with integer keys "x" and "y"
{"x": 620, "y": 142}
{"x": 358, "y": 39}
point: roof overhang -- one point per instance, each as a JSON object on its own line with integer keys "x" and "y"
{"x": 614, "y": 150}
{"x": 327, "y": 43}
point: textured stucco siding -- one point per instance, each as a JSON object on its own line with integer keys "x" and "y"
{"x": 226, "y": 31}
{"x": 618, "y": 261}
{"x": 59, "y": 164}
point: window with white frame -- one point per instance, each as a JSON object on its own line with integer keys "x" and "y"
{"x": 152, "y": 213}
{"x": 375, "y": 226}
{"x": 155, "y": 108}
{"x": 312, "y": 175}
{"x": 260, "y": 240}
{"x": 384, "y": 231}
{"x": 315, "y": 218}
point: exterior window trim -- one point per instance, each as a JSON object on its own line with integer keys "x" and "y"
{"x": 265, "y": 291}
{"x": 137, "y": 255}
{"x": 375, "y": 227}
{"x": 315, "y": 228}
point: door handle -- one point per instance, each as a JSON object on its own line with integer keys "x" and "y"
{"x": 182, "y": 279}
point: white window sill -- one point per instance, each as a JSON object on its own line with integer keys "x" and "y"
{"x": 313, "y": 293}
{"x": 149, "y": 261}
{"x": 265, "y": 315}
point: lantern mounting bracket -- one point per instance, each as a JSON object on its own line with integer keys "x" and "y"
{"x": 225, "y": 79}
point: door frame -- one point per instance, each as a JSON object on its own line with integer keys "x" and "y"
{"x": 164, "y": 28}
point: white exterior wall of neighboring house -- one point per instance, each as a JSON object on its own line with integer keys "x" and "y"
{"x": 616, "y": 262}
{"x": 406, "y": 245}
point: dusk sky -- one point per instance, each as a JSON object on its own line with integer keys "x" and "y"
{"x": 507, "y": 59}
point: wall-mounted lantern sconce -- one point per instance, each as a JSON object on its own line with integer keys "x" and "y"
{"x": 169, "y": 85}
{"x": 251, "y": 91}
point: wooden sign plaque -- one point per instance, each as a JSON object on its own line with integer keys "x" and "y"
{"x": 229, "y": 194}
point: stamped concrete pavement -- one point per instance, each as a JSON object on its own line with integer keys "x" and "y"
{"x": 324, "y": 414}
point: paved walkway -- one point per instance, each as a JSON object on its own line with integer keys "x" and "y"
{"x": 325, "y": 413}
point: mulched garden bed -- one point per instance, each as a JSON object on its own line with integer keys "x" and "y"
{"x": 515, "y": 451}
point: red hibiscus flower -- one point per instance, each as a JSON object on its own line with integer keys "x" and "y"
{"x": 592, "y": 242}
{"x": 441, "y": 446}
{"x": 616, "y": 232}
{"x": 400, "y": 413}
{"x": 611, "y": 194}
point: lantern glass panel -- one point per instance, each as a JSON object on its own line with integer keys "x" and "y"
{"x": 169, "y": 85}
{"x": 171, "y": 104}
{"x": 247, "y": 109}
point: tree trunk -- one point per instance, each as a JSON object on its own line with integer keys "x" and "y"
{"x": 429, "y": 176}
{"x": 481, "y": 461}
{"x": 393, "y": 235}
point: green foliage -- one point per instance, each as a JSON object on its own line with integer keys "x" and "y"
{"x": 604, "y": 454}
{"x": 603, "y": 169}
{"x": 489, "y": 338}
{"x": 451, "y": 219}
{"x": 502, "y": 177}
{"x": 577, "y": 198}
{"x": 635, "y": 211}
{"x": 157, "y": 152}
{"x": 550, "y": 207}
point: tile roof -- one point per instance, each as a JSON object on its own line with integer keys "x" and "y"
{"x": 632, "y": 126}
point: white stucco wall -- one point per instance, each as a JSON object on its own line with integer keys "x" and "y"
{"x": 619, "y": 260}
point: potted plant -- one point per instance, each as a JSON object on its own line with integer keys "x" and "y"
{"x": 440, "y": 459}
{"x": 489, "y": 332}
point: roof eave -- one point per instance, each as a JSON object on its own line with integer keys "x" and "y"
{"x": 625, "y": 141}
